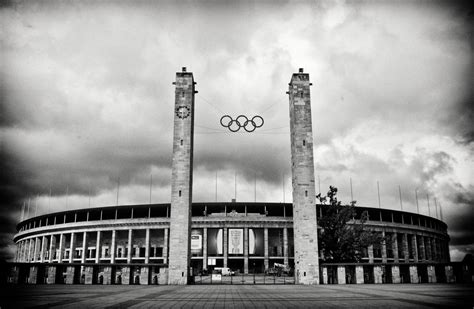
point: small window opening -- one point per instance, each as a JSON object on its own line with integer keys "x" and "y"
{"x": 304, "y": 274}
{"x": 181, "y": 142}
{"x": 301, "y": 94}
{"x": 179, "y": 192}
{"x": 306, "y": 193}
{"x": 182, "y": 274}
{"x": 182, "y": 94}
{"x": 304, "y": 142}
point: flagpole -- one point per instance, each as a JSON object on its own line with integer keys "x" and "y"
{"x": 400, "y": 193}
{"x": 118, "y": 189}
{"x": 284, "y": 197}
{"x": 28, "y": 215}
{"x": 428, "y": 199}
{"x": 352, "y": 197}
{"x": 36, "y": 205}
{"x": 416, "y": 198}
{"x": 378, "y": 193}
{"x": 151, "y": 184}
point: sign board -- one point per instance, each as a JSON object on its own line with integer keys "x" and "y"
{"x": 216, "y": 277}
{"x": 236, "y": 241}
{"x": 196, "y": 242}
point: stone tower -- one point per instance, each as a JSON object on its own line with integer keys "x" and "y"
{"x": 302, "y": 167}
{"x": 181, "y": 179}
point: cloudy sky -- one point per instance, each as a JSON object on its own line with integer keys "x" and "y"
{"x": 87, "y": 98}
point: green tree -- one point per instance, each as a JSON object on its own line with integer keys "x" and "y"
{"x": 342, "y": 236}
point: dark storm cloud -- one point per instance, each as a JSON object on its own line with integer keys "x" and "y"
{"x": 86, "y": 97}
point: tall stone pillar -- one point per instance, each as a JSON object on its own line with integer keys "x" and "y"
{"x": 165, "y": 248}
{"x": 370, "y": 253}
{"x": 406, "y": 253}
{"x": 265, "y": 247}
{"x": 71, "y": 248}
{"x": 51, "y": 248}
{"x": 226, "y": 246}
{"x": 112, "y": 245}
{"x": 285, "y": 246}
{"x": 414, "y": 248}
{"x": 30, "y": 250}
{"x": 84, "y": 247}
{"x": 36, "y": 250}
{"x": 428, "y": 249}
{"x": 395, "y": 247}
{"x": 302, "y": 168}
{"x": 421, "y": 253}
{"x": 204, "y": 248}
{"x": 61, "y": 247}
{"x": 181, "y": 179}
{"x": 147, "y": 246}
{"x": 384, "y": 248}
{"x": 43, "y": 248}
{"x": 129, "y": 246}
{"x": 246, "y": 250}
{"x": 97, "y": 248}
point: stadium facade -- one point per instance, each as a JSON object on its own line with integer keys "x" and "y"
{"x": 172, "y": 243}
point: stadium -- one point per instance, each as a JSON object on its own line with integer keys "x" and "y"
{"x": 181, "y": 242}
{"x": 129, "y": 244}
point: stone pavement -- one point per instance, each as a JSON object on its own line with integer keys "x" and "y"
{"x": 242, "y": 296}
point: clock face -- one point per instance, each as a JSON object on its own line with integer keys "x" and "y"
{"x": 183, "y": 111}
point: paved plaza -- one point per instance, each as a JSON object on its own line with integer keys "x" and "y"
{"x": 243, "y": 296}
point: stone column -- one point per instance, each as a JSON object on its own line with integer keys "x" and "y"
{"x": 97, "y": 248}
{"x": 395, "y": 247}
{"x": 405, "y": 247}
{"x": 359, "y": 272}
{"x": 71, "y": 248}
{"x": 395, "y": 274}
{"x": 84, "y": 247}
{"x": 181, "y": 179}
{"x": 265, "y": 246}
{"x": 61, "y": 244}
{"x": 422, "y": 253}
{"x": 431, "y": 274}
{"x": 30, "y": 249}
{"x": 413, "y": 274}
{"x": 147, "y": 246}
{"x": 165, "y": 249}
{"x": 204, "y": 248}
{"x": 384, "y": 249}
{"x": 414, "y": 247}
{"x": 302, "y": 169}
{"x": 43, "y": 248}
{"x": 36, "y": 249}
{"x": 341, "y": 275}
{"x": 285, "y": 246}
{"x": 17, "y": 254}
{"x": 428, "y": 248}
{"x": 378, "y": 274}
{"x": 225, "y": 246}
{"x": 51, "y": 248}
{"x": 325, "y": 275}
{"x": 246, "y": 250}
{"x": 370, "y": 253}
{"x": 129, "y": 246}
{"x": 112, "y": 249}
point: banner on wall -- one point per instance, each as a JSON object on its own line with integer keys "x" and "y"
{"x": 196, "y": 242}
{"x": 236, "y": 241}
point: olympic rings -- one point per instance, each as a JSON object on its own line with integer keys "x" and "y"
{"x": 241, "y": 121}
